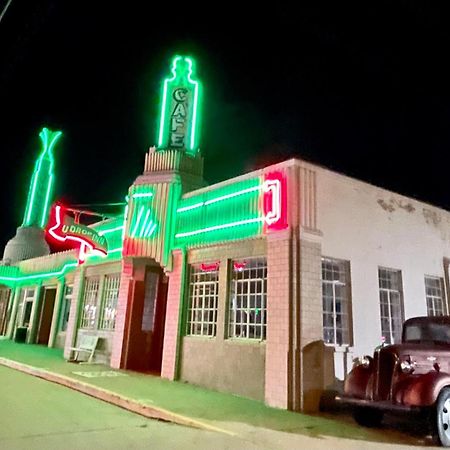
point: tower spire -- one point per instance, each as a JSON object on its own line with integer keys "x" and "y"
{"x": 39, "y": 194}
{"x": 29, "y": 241}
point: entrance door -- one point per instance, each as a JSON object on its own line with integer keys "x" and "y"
{"x": 146, "y": 323}
{"x": 4, "y": 298}
{"x": 45, "y": 321}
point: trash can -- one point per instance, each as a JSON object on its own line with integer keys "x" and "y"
{"x": 21, "y": 334}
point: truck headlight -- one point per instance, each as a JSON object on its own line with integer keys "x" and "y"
{"x": 407, "y": 366}
{"x": 363, "y": 361}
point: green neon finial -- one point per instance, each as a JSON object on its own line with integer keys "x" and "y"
{"x": 179, "y": 123}
{"x": 39, "y": 194}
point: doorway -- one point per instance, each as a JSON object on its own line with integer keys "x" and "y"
{"x": 46, "y": 315}
{"x": 146, "y": 321}
{"x": 4, "y": 301}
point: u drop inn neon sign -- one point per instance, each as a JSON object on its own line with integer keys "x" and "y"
{"x": 63, "y": 228}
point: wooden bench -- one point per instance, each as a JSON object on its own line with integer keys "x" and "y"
{"x": 86, "y": 344}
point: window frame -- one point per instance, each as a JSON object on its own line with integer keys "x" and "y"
{"x": 433, "y": 298}
{"x": 346, "y": 301}
{"x": 206, "y": 302}
{"x": 260, "y": 300}
{"x": 388, "y": 335}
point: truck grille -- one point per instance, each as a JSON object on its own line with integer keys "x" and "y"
{"x": 385, "y": 363}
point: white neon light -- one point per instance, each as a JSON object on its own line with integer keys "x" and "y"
{"x": 273, "y": 186}
{"x": 142, "y": 195}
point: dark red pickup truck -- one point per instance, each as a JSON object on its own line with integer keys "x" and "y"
{"x": 406, "y": 377}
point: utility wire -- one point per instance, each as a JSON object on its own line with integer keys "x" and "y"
{"x": 4, "y": 9}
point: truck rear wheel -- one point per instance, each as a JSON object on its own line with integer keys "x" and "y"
{"x": 368, "y": 417}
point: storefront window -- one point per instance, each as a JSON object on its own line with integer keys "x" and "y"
{"x": 109, "y": 304}
{"x": 203, "y": 299}
{"x": 247, "y": 306}
{"x": 66, "y": 306}
{"x": 89, "y": 311}
{"x": 27, "y": 306}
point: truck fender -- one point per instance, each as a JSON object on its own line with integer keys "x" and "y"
{"x": 421, "y": 390}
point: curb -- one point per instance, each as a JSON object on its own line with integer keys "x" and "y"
{"x": 150, "y": 412}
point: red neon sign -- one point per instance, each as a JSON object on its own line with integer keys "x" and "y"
{"x": 275, "y": 201}
{"x": 63, "y": 228}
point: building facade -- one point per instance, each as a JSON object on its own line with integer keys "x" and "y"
{"x": 265, "y": 285}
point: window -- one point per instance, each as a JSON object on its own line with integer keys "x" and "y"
{"x": 65, "y": 311}
{"x": 435, "y": 296}
{"x": 247, "y": 306}
{"x": 89, "y": 311}
{"x": 391, "y": 304}
{"x": 336, "y": 302}
{"x": 150, "y": 296}
{"x": 27, "y": 299}
{"x": 203, "y": 299}
{"x": 109, "y": 304}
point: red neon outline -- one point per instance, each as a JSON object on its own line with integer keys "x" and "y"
{"x": 84, "y": 244}
{"x": 275, "y": 209}
{"x": 204, "y": 267}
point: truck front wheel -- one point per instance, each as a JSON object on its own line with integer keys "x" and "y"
{"x": 442, "y": 418}
{"x": 368, "y": 417}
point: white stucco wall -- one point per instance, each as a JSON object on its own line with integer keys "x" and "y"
{"x": 372, "y": 227}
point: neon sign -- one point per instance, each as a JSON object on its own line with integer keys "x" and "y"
{"x": 275, "y": 201}
{"x": 179, "y": 121}
{"x": 65, "y": 229}
{"x": 41, "y": 182}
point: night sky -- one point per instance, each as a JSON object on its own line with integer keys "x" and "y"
{"x": 361, "y": 88}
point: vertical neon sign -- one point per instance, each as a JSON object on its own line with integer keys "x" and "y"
{"x": 275, "y": 201}
{"x": 39, "y": 194}
{"x": 179, "y": 124}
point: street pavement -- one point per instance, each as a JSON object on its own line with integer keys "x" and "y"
{"x": 36, "y": 413}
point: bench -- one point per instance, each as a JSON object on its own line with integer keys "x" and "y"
{"x": 86, "y": 344}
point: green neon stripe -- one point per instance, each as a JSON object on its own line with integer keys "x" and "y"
{"x": 47, "y": 195}
{"x": 219, "y": 199}
{"x": 40, "y": 275}
{"x": 194, "y": 115}
{"x": 144, "y": 224}
{"x": 220, "y": 227}
{"x": 163, "y": 108}
{"x": 101, "y": 233}
{"x": 136, "y": 224}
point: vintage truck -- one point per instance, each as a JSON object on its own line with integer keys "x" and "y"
{"x": 413, "y": 376}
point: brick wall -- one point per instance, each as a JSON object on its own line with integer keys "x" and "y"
{"x": 71, "y": 331}
{"x": 121, "y": 312}
{"x": 170, "y": 348}
{"x": 278, "y": 300}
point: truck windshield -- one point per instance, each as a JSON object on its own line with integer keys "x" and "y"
{"x": 420, "y": 332}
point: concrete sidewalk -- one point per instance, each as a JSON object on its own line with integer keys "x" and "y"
{"x": 182, "y": 403}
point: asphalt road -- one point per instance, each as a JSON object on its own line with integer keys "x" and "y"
{"x": 36, "y": 414}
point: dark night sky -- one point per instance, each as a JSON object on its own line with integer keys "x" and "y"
{"x": 361, "y": 88}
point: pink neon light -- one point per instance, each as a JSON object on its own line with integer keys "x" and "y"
{"x": 239, "y": 266}
{"x": 84, "y": 244}
{"x": 275, "y": 201}
{"x": 209, "y": 267}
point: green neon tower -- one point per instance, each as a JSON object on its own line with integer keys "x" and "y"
{"x": 29, "y": 241}
{"x": 180, "y": 116}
